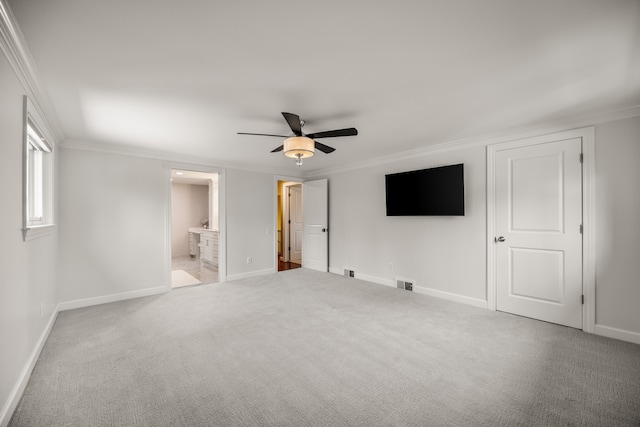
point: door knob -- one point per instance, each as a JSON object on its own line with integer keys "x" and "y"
{"x": 500, "y": 239}
{"x": 324, "y": 230}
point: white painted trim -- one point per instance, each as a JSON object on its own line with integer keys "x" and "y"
{"x": 476, "y": 302}
{"x": 589, "y": 230}
{"x": 491, "y": 230}
{"x": 588, "y": 216}
{"x": 374, "y": 279}
{"x": 250, "y": 274}
{"x": 13, "y": 44}
{"x": 222, "y": 225}
{"x": 286, "y": 179}
{"x": 222, "y": 217}
{"x": 18, "y": 389}
{"x": 286, "y": 226}
{"x": 619, "y": 334}
{"x": 146, "y": 153}
{"x": 338, "y": 271}
{"x": 50, "y": 164}
{"x": 364, "y": 277}
{"x": 168, "y": 223}
{"x": 37, "y": 231}
{"x": 486, "y": 139}
{"x": 105, "y": 299}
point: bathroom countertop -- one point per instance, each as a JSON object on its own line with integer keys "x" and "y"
{"x": 200, "y": 230}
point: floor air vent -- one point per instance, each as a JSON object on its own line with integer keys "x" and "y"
{"x": 404, "y": 284}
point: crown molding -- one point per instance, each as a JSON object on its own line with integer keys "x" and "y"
{"x": 486, "y": 139}
{"x": 15, "y": 48}
{"x": 125, "y": 150}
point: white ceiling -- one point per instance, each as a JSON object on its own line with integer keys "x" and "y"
{"x": 185, "y": 76}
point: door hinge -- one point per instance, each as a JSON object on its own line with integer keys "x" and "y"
{"x": 581, "y": 229}
{"x": 581, "y": 158}
{"x": 289, "y": 221}
{"x": 583, "y": 299}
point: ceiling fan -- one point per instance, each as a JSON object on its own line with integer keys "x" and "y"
{"x": 301, "y": 145}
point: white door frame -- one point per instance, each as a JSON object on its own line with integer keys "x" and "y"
{"x": 588, "y": 217}
{"x": 286, "y": 226}
{"x": 222, "y": 219}
{"x": 285, "y": 251}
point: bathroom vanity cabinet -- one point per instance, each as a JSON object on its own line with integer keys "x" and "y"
{"x": 207, "y": 241}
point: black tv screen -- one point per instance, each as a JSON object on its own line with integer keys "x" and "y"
{"x": 433, "y": 192}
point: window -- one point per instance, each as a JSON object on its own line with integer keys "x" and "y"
{"x": 38, "y": 175}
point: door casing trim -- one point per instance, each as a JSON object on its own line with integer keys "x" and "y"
{"x": 588, "y": 217}
{"x": 289, "y": 180}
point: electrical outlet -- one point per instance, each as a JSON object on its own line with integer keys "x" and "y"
{"x": 390, "y": 266}
{"x": 249, "y": 260}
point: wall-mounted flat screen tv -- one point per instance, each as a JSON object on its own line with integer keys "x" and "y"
{"x": 426, "y": 192}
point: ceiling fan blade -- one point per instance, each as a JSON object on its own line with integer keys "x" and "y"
{"x": 275, "y": 150}
{"x": 324, "y": 148}
{"x": 262, "y": 134}
{"x": 334, "y": 133}
{"x": 294, "y": 123}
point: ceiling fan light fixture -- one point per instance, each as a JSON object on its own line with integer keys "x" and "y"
{"x": 299, "y": 147}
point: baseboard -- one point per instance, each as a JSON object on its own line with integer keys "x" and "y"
{"x": 374, "y": 279}
{"x": 16, "y": 394}
{"x": 619, "y": 334}
{"x": 476, "y": 302}
{"x": 249, "y": 274}
{"x": 337, "y": 271}
{"x": 87, "y": 302}
{"x": 418, "y": 289}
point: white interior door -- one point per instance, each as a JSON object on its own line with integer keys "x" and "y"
{"x": 296, "y": 223}
{"x": 315, "y": 253}
{"x": 538, "y": 208}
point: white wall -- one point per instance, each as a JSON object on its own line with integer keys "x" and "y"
{"x": 112, "y": 224}
{"x": 447, "y": 255}
{"x": 443, "y": 254}
{"x": 189, "y": 205}
{"x": 25, "y": 285}
{"x": 251, "y": 202}
{"x": 113, "y": 238}
{"x": 618, "y": 226}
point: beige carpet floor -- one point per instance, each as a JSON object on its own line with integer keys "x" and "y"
{"x": 302, "y": 348}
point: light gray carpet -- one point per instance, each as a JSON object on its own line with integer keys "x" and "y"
{"x": 301, "y": 348}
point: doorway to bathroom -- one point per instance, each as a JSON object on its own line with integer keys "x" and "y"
{"x": 195, "y": 228}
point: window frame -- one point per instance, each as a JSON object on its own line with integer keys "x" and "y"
{"x": 38, "y": 175}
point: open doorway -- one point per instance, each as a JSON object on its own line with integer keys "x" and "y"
{"x": 194, "y": 228}
{"x": 290, "y": 225}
